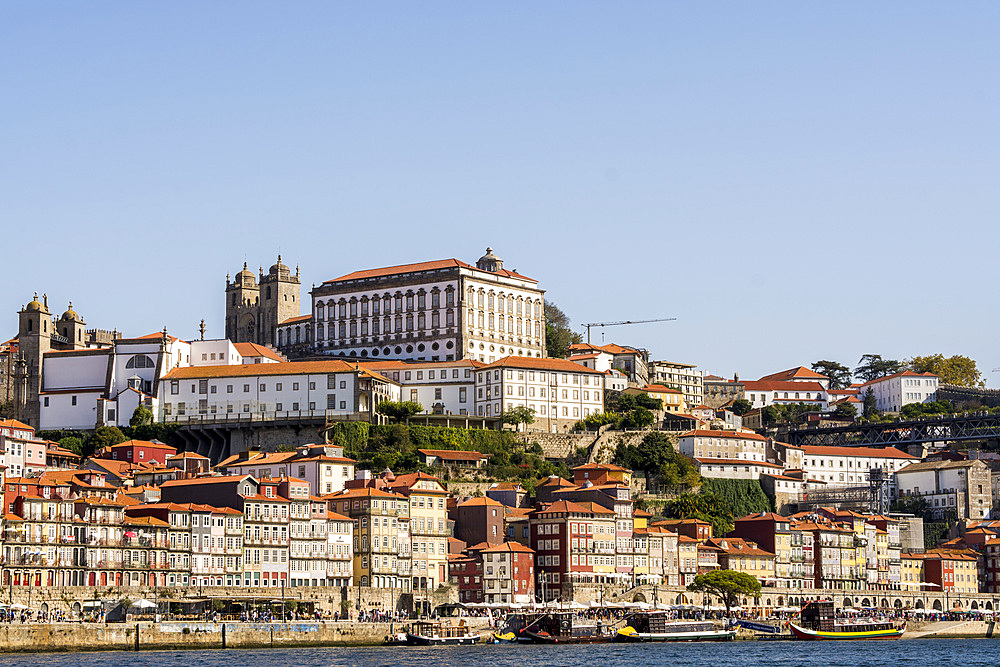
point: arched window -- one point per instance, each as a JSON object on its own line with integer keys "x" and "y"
{"x": 140, "y": 361}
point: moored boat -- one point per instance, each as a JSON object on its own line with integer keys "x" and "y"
{"x": 656, "y": 627}
{"x": 562, "y": 627}
{"x": 437, "y": 633}
{"x": 819, "y": 622}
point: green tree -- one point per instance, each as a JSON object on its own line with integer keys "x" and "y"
{"x": 838, "y": 374}
{"x": 558, "y": 334}
{"x": 105, "y": 436}
{"x": 727, "y": 585}
{"x": 741, "y": 406}
{"x": 399, "y": 411}
{"x": 869, "y": 405}
{"x": 141, "y": 416}
{"x": 956, "y": 369}
{"x": 638, "y": 419}
{"x": 873, "y": 366}
{"x": 73, "y": 444}
{"x": 845, "y": 411}
{"x": 521, "y": 414}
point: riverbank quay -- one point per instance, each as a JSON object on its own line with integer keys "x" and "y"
{"x": 63, "y": 637}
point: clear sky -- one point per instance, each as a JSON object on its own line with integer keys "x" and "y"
{"x": 792, "y": 181}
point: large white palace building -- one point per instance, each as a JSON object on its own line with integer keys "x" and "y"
{"x": 441, "y": 310}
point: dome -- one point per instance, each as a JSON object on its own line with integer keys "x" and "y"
{"x": 70, "y": 314}
{"x": 489, "y": 262}
{"x": 278, "y": 268}
{"x": 244, "y": 276}
{"x": 35, "y": 304}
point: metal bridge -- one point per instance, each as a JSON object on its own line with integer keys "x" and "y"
{"x": 955, "y": 428}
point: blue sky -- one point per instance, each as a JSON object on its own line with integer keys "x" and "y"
{"x": 792, "y": 181}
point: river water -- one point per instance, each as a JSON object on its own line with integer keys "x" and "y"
{"x": 935, "y": 652}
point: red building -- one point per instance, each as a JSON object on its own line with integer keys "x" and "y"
{"x": 138, "y": 451}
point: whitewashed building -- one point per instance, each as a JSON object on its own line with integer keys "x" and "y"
{"x": 560, "y": 391}
{"x": 892, "y": 392}
{"x": 441, "y": 387}
{"x": 333, "y": 388}
{"x": 849, "y": 466}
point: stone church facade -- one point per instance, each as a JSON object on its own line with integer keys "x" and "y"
{"x": 256, "y": 305}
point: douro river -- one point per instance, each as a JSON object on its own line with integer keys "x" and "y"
{"x": 934, "y": 652}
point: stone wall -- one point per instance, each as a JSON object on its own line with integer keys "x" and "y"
{"x": 30, "y": 637}
{"x": 558, "y": 445}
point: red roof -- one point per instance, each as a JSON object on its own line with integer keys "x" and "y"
{"x": 535, "y": 363}
{"x": 255, "y": 350}
{"x": 418, "y": 267}
{"x": 795, "y": 373}
{"x": 454, "y": 454}
{"x": 778, "y": 385}
{"x": 723, "y": 434}
{"x": 708, "y": 461}
{"x": 898, "y": 375}
{"x": 870, "y": 452}
{"x": 297, "y": 318}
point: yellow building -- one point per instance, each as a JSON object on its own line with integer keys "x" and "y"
{"x": 428, "y": 526}
{"x": 742, "y": 556}
{"x": 672, "y": 399}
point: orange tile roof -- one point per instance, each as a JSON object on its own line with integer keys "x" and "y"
{"x": 13, "y": 423}
{"x": 699, "y": 433}
{"x": 897, "y": 375}
{"x": 870, "y": 452}
{"x": 250, "y": 370}
{"x": 509, "y": 547}
{"x": 483, "y": 501}
{"x": 778, "y": 385}
{"x": 366, "y": 492}
{"x": 536, "y": 363}
{"x": 454, "y": 454}
{"x": 297, "y": 318}
{"x": 564, "y": 506}
{"x": 418, "y": 267}
{"x": 710, "y": 461}
{"x": 255, "y": 350}
{"x": 798, "y": 372}
{"x": 218, "y": 479}
{"x": 660, "y": 389}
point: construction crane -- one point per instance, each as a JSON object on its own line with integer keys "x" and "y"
{"x": 618, "y": 324}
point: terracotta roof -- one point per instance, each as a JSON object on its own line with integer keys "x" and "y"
{"x": 255, "y": 350}
{"x": 13, "y": 423}
{"x": 660, "y": 389}
{"x": 601, "y": 466}
{"x": 143, "y": 443}
{"x": 723, "y": 434}
{"x": 366, "y": 492}
{"x": 869, "y": 452}
{"x": 536, "y": 363}
{"x": 777, "y": 385}
{"x": 420, "y": 266}
{"x": 708, "y": 461}
{"x": 610, "y": 348}
{"x": 297, "y": 318}
{"x": 454, "y": 454}
{"x": 938, "y": 465}
{"x": 564, "y": 506}
{"x": 509, "y": 547}
{"x": 251, "y": 370}
{"x": 483, "y": 501}
{"x": 218, "y": 479}
{"x": 765, "y": 516}
{"x": 798, "y": 372}
{"x": 897, "y": 375}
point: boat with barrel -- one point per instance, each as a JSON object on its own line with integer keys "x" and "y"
{"x": 556, "y": 627}
{"x": 656, "y": 626}
{"x": 439, "y": 633}
{"x": 818, "y": 621}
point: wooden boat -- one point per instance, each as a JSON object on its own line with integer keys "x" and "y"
{"x": 560, "y": 627}
{"x": 819, "y": 622}
{"x": 656, "y": 627}
{"x": 437, "y": 633}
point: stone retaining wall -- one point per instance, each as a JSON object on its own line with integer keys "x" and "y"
{"x": 30, "y": 637}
